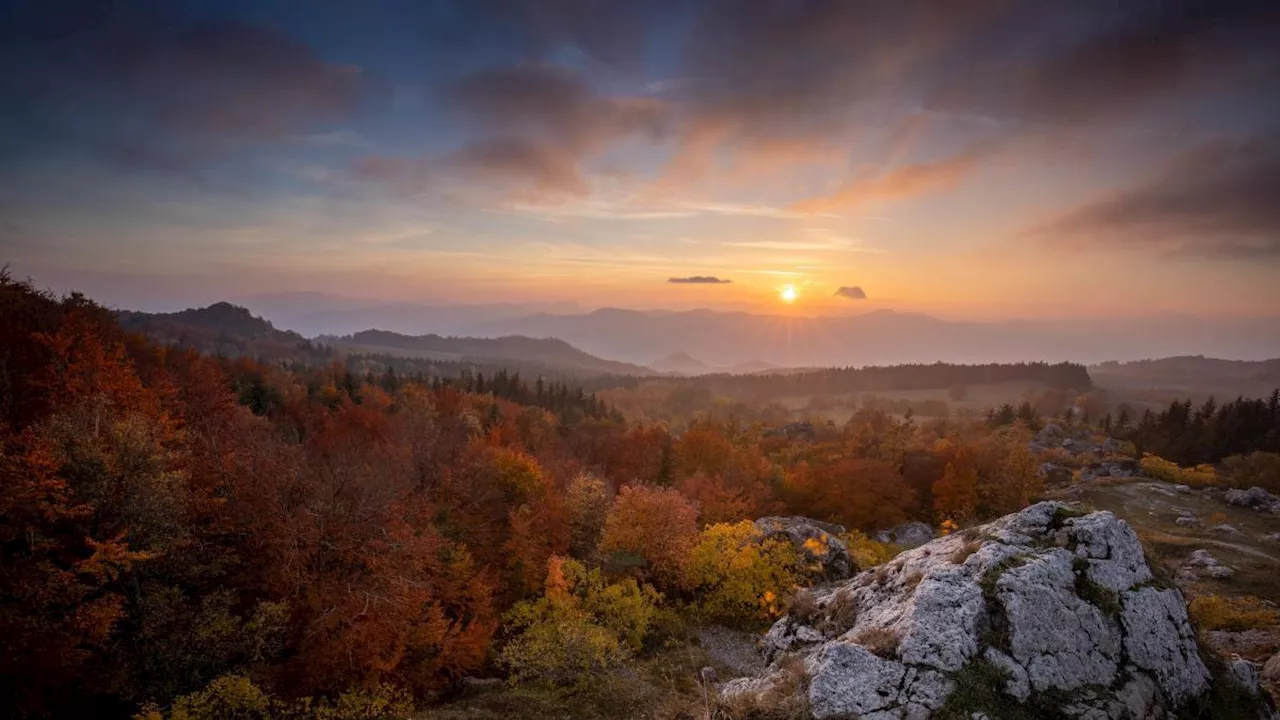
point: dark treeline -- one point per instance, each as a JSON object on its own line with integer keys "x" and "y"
{"x": 451, "y": 370}
{"x": 897, "y": 377}
{"x": 337, "y": 382}
{"x": 1209, "y": 433}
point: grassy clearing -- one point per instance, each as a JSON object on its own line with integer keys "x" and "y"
{"x": 662, "y": 686}
{"x": 840, "y": 407}
{"x": 1153, "y": 508}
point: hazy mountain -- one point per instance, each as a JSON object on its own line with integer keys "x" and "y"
{"x": 220, "y": 329}
{"x": 312, "y": 314}
{"x": 231, "y": 330}
{"x": 549, "y": 352}
{"x": 685, "y": 364}
{"x": 885, "y": 337}
{"x": 682, "y": 363}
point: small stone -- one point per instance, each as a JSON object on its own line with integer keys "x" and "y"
{"x": 1220, "y": 572}
{"x": 1245, "y": 674}
{"x": 1254, "y": 497}
{"x": 1271, "y": 670}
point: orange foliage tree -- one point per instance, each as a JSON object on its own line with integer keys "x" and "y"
{"x": 655, "y": 526}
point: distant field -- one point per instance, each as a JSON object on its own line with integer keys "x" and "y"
{"x": 840, "y": 407}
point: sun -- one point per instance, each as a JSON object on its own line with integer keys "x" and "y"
{"x": 787, "y": 294}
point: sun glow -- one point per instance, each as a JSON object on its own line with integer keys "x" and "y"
{"x": 787, "y": 294}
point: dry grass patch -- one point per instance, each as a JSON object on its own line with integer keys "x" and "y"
{"x": 785, "y": 699}
{"x": 959, "y": 556}
{"x": 842, "y": 614}
{"x": 803, "y": 606}
{"x": 880, "y": 641}
{"x": 1236, "y": 614}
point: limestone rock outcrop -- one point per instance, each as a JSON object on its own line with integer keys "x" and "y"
{"x": 1048, "y": 611}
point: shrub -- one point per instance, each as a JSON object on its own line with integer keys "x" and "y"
{"x": 562, "y": 647}
{"x": 868, "y": 553}
{"x": 655, "y": 524}
{"x": 1161, "y": 469}
{"x": 233, "y": 697}
{"x": 740, "y": 578}
{"x": 580, "y": 629}
{"x": 230, "y": 697}
{"x": 1236, "y": 614}
{"x": 1258, "y": 468}
{"x": 626, "y": 607}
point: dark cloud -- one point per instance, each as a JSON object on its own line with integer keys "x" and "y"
{"x": 1215, "y": 201}
{"x": 699, "y": 280}
{"x": 1104, "y": 60}
{"x": 548, "y": 169}
{"x": 142, "y": 84}
{"x": 540, "y": 123}
{"x": 851, "y": 292}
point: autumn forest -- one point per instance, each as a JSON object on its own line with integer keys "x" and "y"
{"x": 191, "y": 536}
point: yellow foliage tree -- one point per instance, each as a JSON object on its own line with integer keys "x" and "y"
{"x": 582, "y": 626}
{"x": 740, "y": 578}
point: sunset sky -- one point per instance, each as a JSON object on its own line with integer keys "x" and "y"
{"x": 985, "y": 158}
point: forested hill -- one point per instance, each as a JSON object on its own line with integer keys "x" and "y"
{"x": 1064, "y": 376}
{"x": 548, "y": 351}
{"x": 227, "y": 330}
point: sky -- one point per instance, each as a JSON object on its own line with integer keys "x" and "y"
{"x": 964, "y": 158}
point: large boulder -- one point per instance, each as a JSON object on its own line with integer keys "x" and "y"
{"x": 907, "y": 535}
{"x": 817, "y": 541}
{"x": 1046, "y": 612}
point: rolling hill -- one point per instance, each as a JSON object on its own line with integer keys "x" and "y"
{"x": 545, "y": 351}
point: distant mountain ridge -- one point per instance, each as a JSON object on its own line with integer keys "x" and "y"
{"x": 234, "y": 331}
{"x": 221, "y": 329}
{"x": 886, "y": 337}
{"x": 549, "y": 351}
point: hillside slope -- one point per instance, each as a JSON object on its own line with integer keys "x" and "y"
{"x": 546, "y": 351}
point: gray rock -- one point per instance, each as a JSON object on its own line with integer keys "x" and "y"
{"x": 1184, "y": 489}
{"x": 847, "y": 680}
{"x": 829, "y": 552}
{"x": 1245, "y": 674}
{"x": 1187, "y": 521}
{"x": 1225, "y": 529}
{"x": 1054, "y": 473}
{"x": 906, "y": 535}
{"x": 1201, "y": 562}
{"x": 1271, "y": 669}
{"x": 1062, "y": 605}
{"x": 1254, "y": 497}
{"x": 1159, "y": 639}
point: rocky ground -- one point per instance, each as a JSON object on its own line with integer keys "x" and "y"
{"x": 1047, "y": 612}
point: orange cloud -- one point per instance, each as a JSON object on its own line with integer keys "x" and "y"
{"x": 900, "y": 182}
